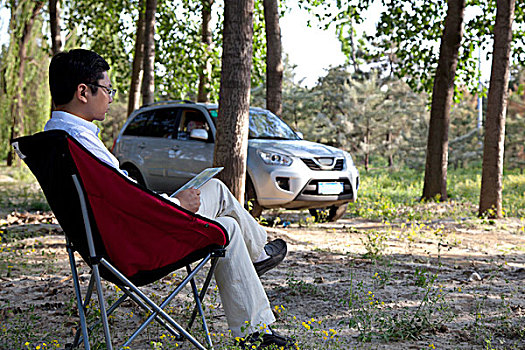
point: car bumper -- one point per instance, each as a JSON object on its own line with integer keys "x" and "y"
{"x": 297, "y": 186}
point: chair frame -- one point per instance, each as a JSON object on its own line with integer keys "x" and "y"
{"x": 134, "y": 293}
{"x": 130, "y": 290}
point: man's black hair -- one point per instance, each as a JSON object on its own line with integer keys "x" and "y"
{"x": 70, "y": 68}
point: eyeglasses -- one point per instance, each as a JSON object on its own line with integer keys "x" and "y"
{"x": 111, "y": 92}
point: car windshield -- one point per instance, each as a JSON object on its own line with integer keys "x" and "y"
{"x": 266, "y": 125}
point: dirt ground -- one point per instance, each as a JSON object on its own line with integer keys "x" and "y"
{"x": 353, "y": 284}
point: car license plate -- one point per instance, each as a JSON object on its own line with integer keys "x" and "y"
{"x": 330, "y": 187}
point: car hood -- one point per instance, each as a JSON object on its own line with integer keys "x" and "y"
{"x": 295, "y": 148}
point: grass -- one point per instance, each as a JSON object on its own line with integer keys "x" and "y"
{"x": 395, "y": 195}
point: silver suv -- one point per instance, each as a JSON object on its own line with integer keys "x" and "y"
{"x": 165, "y": 144}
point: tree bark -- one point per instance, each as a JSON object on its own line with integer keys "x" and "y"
{"x": 54, "y": 20}
{"x": 435, "y": 183}
{"x": 493, "y": 148}
{"x": 206, "y": 39}
{"x": 17, "y": 105}
{"x": 388, "y": 149}
{"x": 234, "y": 95}
{"x": 56, "y": 35}
{"x": 148, "y": 83}
{"x": 138, "y": 62}
{"x": 274, "y": 64}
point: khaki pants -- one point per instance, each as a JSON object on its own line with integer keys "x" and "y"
{"x": 242, "y": 294}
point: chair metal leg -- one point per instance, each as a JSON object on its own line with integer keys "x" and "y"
{"x": 198, "y": 306}
{"x": 113, "y": 307}
{"x": 78, "y": 294}
{"x": 144, "y": 306}
{"x": 204, "y": 289}
{"x": 158, "y": 310}
{"x": 87, "y": 298}
{"x": 102, "y": 305}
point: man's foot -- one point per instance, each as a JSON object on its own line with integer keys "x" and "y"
{"x": 276, "y": 250}
{"x": 262, "y": 341}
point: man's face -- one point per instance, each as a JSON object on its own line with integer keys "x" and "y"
{"x": 99, "y": 102}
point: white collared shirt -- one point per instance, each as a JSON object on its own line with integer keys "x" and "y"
{"x": 86, "y": 133}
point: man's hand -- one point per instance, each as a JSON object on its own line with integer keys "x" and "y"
{"x": 190, "y": 199}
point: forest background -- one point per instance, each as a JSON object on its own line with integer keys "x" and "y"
{"x": 376, "y": 106}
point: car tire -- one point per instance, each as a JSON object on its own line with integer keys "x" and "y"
{"x": 330, "y": 214}
{"x": 250, "y": 196}
{"x": 134, "y": 173}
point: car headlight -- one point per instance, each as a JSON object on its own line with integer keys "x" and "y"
{"x": 349, "y": 160}
{"x": 273, "y": 158}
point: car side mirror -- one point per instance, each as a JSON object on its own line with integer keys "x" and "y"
{"x": 300, "y": 134}
{"x": 199, "y": 134}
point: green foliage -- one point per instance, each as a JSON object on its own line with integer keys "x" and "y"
{"x": 375, "y": 244}
{"x": 371, "y": 319}
{"x": 180, "y": 53}
{"x": 35, "y": 95}
{"x": 408, "y": 34}
{"x": 368, "y": 117}
{"x": 393, "y": 195}
{"x": 106, "y": 27}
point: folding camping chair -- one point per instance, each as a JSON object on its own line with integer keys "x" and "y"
{"x": 127, "y": 234}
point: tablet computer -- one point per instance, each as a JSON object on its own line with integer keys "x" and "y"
{"x": 200, "y": 179}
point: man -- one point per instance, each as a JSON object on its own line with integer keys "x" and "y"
{"x": 81, "y": 92}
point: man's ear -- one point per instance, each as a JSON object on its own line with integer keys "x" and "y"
{"x": 81, "y": 93}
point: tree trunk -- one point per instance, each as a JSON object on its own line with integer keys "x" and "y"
{"x": 367, "y": 144}
{"x": 148, "y": 83}
{"x": 138, "y": 62}
{"x": 234, "y": 96}
{"x": 54, "y": 20}
{"x": 56, "y": 35}
{"x": 17, "y": 105}
{"x": 206, "y": 39}
{"x": 435, "y": 184}
{"x": 493, "y": 148}
{"x": 389, "y": 149}
{"x": 274, "y": 64}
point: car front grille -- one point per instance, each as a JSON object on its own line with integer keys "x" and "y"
{"x": 315, "y": 164}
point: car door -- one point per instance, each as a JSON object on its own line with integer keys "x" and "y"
{"x": 155, "y": 147}
{"x": 189, "y": 155}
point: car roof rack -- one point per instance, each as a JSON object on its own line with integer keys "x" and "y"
{"x": 166, "y": 102}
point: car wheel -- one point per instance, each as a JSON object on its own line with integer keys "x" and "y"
{"x": 330, "y": 214}
{"x": 134, "y": 173}
{"x": 336, "y": 212}
{"x": 250, "y": 199}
